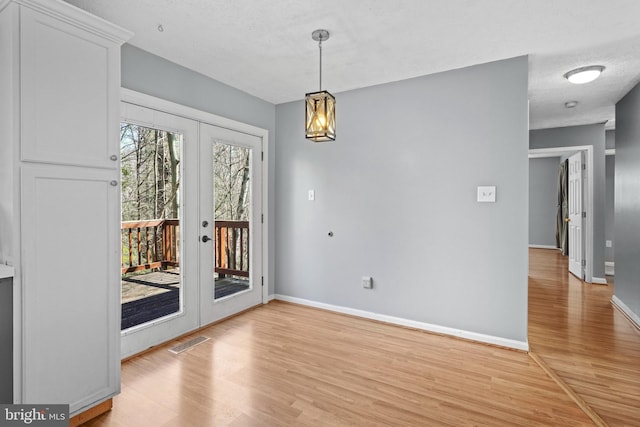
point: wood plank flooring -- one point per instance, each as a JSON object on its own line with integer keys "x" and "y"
{"x": 588, "y": 343}
{"x": 283, "y": 364}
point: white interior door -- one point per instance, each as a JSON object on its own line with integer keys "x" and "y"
{"x": 575, "y": 219}
{"x": 230, "y": 222}
{"x": 159, "y": 212}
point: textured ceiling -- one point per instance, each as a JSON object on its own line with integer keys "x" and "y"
{"x": 265, "y": 47}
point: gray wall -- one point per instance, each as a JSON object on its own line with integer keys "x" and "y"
{"x": 398, "y": 189}
{"x": 609, "y": 192}
{"x": 609, "y": 204}
{"x": 609, "y": 139}
{"x": 627, "y": 203}
{"x": 543, "y": 200}
{"x": 583, "y": 135}
{"x": 150, "y": 74}
{"x": 6, "y": 341}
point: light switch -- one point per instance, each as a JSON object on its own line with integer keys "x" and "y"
{"x": 312, "y": 195}
{"x": 487, "y": 194}
{"x": 608, "y": 243}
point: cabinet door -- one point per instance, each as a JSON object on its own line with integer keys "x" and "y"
{"x": 71, "y": 290}
{"x": 69, "y": 86}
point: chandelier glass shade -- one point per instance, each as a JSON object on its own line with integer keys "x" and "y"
{"x": 320, "y": 106}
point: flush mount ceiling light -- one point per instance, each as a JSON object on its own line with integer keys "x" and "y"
{"x": 320, "y": 107}
{"x": 570, "y": 104}
{"x": 584, "y": 74}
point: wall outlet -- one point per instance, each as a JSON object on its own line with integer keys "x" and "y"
{"x": 608, "y": 243}
{"x": 487, "y": 194}
{"x": 367, "y": 282}
{"x": 312, "y": 195}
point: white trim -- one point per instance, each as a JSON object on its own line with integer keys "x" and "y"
{"x": 634, "y": 318}
{"x": 77, "y": 17}
{"x": 599, "y": 280}
{"x": 271, "y": 297}
{"x": 609, "y": 268}
{"x": 159, "y": 104}
{"x": 6, "y": 271}
{"x": 588, "y": 205}
{"x": 610, "y": 152}
{"x": 544, "y": 247}
{"x": 473, "y": 336}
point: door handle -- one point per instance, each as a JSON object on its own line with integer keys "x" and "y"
{"x": 205, "y": 239}
{"x": 567, "y": 219}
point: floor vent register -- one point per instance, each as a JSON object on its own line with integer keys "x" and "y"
{"x": 188, "y": 344}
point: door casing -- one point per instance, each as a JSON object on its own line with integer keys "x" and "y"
{"x": 587, "y": 200}
{"x": 143, "y": 100}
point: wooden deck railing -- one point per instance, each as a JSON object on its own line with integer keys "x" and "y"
{"x": 148, "y": 244}
{"x": 232, "y": 248}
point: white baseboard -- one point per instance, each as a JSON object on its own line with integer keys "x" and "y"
{"x": 544, "y": 247}
{"x": 609, "y": 268}
{"x": 474, "y": 336}
{"x": 599, "y": 280}
{"x": 634, "y": 318}
{"x": 271, "y": 298}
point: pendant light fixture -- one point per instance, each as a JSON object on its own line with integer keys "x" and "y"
{"x": 320, "y": 107}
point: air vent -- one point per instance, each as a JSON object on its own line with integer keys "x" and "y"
{"x": 187, "y": 345}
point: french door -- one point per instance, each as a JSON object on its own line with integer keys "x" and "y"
{"x": 230, "y": 222}
{"x": 191, "y": 231}
{"x": 159, "y": 287}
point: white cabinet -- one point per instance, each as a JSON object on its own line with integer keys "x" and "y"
{"x": 70, "y": 279}
{"x": 67, "y": 78}
{"x": 60, "y": 199}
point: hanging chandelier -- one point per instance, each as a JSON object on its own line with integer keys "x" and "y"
{"x": 320, "y": 107}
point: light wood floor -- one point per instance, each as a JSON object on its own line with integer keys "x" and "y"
{"x": 283, "y": 364}
{"x": 586, "y": 341}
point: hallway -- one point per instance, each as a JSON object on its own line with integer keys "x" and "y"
{"x": 589, "y": 344}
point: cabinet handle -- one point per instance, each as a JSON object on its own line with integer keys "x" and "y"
{"x": 114, "y": 157}
{"x": 114, "y": 183}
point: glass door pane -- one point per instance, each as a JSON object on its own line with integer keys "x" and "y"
{"x": 150, "y": 177}
{"x": 232, "y": 211}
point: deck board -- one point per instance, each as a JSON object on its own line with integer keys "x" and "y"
{"x": 146, "y": 297}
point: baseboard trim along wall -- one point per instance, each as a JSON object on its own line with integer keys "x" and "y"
{"x": 599, "y": 280}
{"x": 473, "y": 336}
{"x": 634, "y": 318}
{"x": 610, "y": 268}
{"x": 544, "y": 247}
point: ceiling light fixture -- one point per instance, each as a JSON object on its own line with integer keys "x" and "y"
{"x": 584, "y": 74}
{"x": 320, "y": 107}
{"x": 570, "y": 104}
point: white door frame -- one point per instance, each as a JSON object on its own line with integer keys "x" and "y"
{"x": 162, "y": 105}
{"x": 588, "y": 196}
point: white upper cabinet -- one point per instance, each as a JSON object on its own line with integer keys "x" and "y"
{"x": 68, "y": 75}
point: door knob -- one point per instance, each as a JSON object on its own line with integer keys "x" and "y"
{"x": 205, "y": 239}
{"x": 567, "y": 219}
